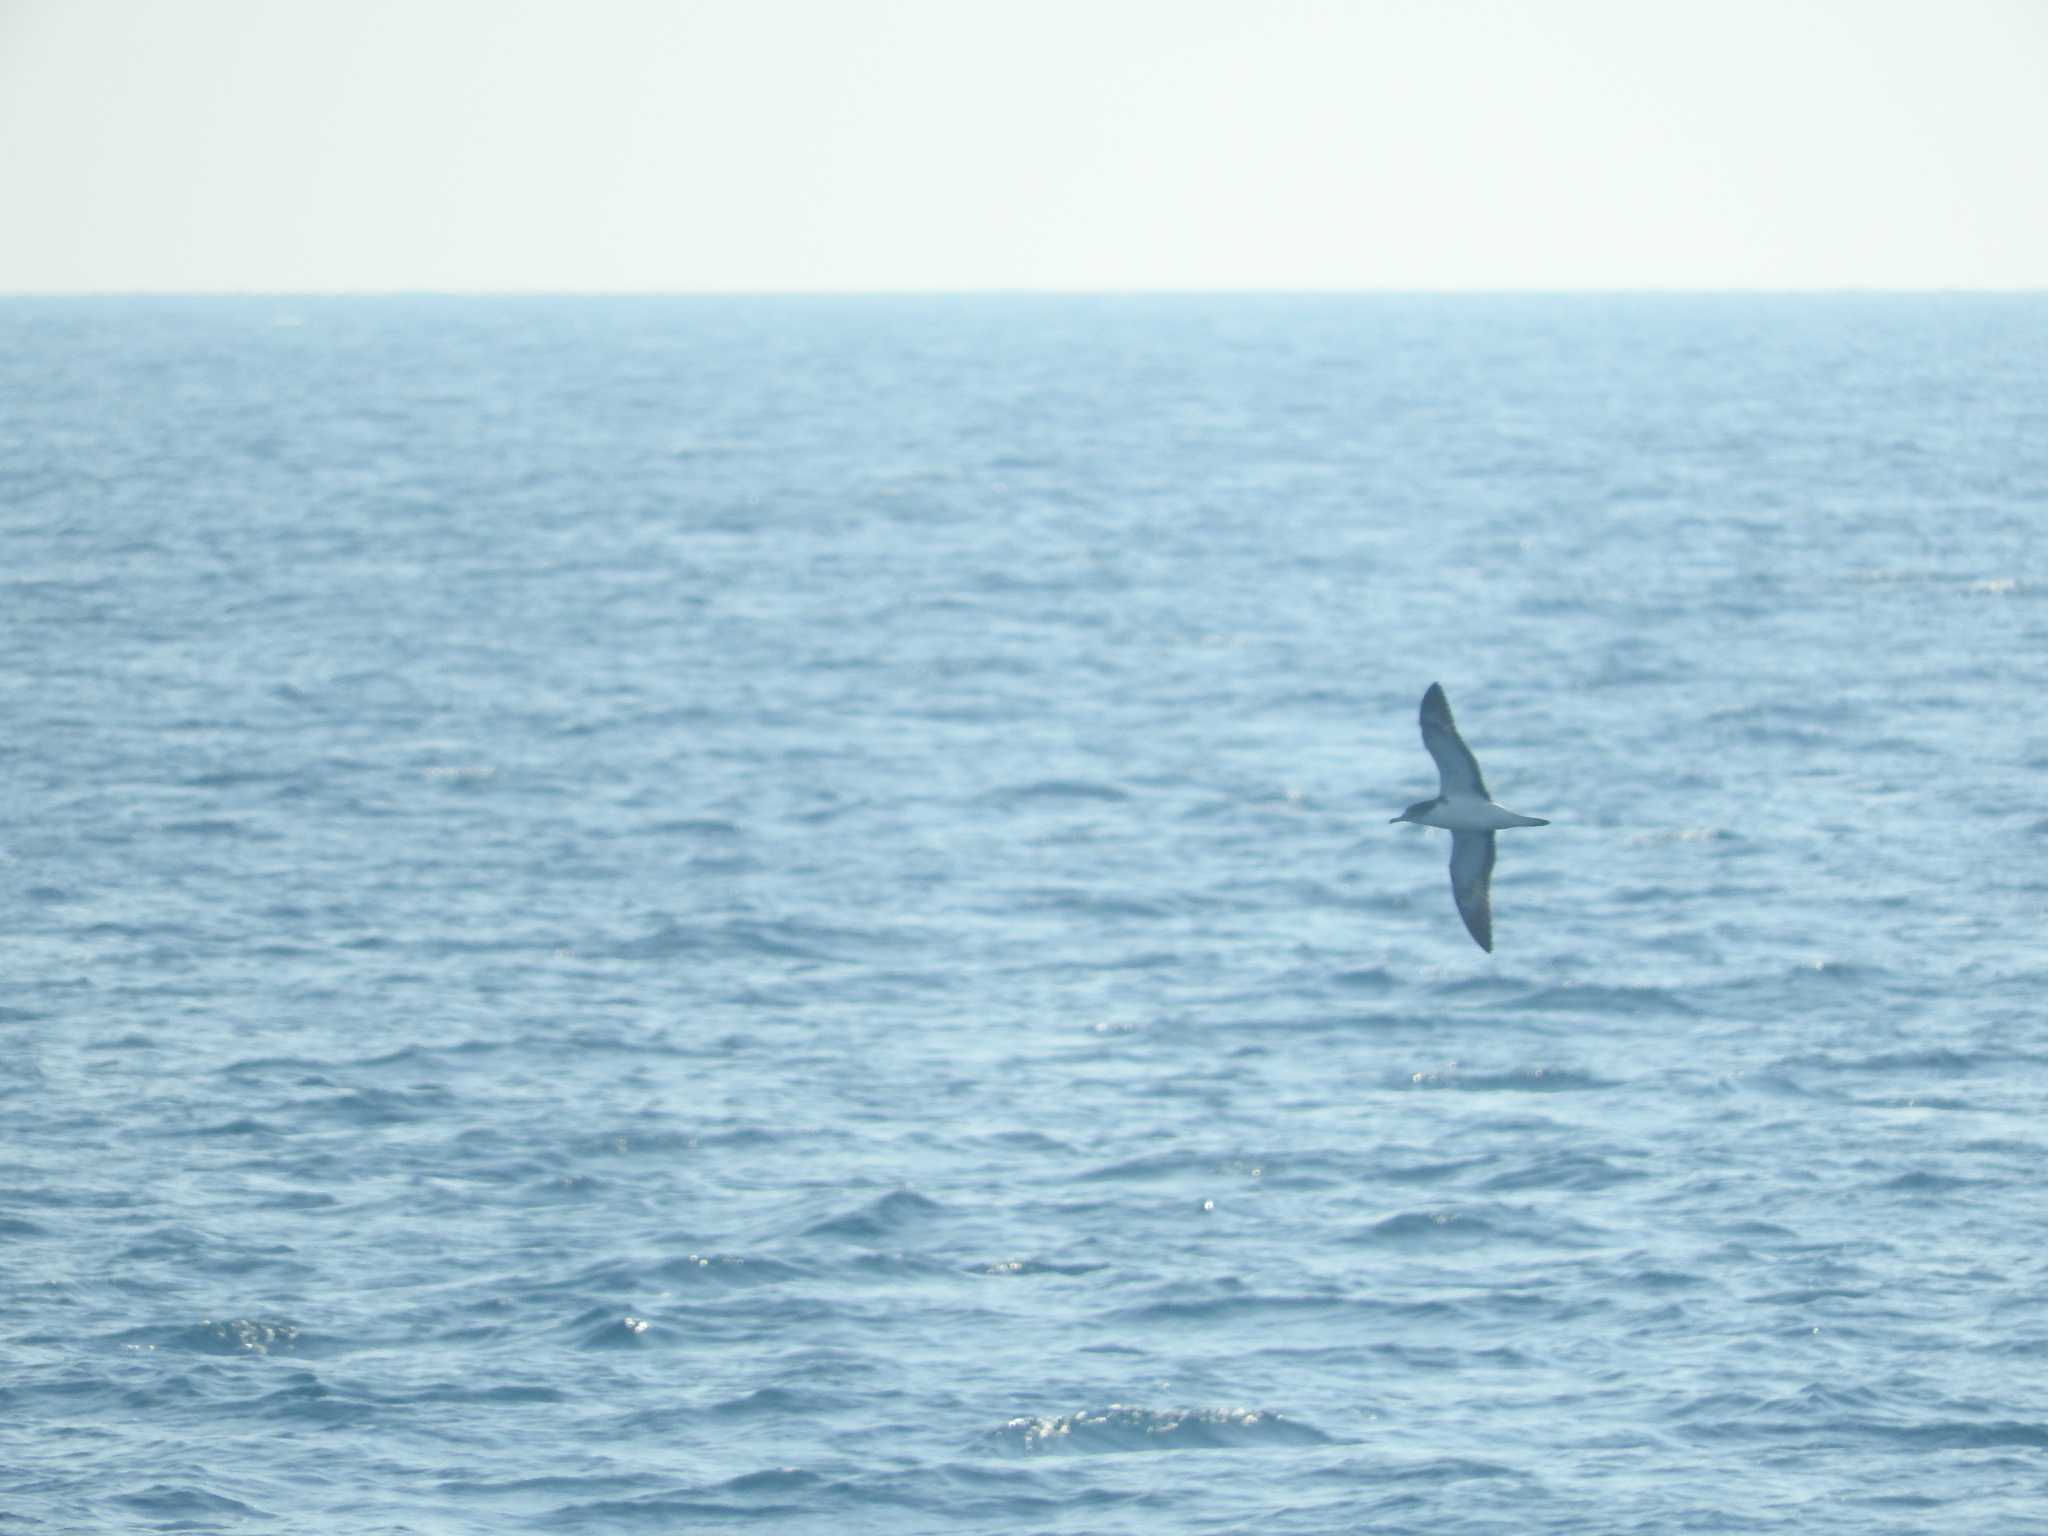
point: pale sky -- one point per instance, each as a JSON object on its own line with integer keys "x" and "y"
{"x": 773, "y": 145}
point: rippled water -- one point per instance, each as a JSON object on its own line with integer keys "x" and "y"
{"x": 676, "y": 914}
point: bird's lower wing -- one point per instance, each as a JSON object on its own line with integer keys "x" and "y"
{"x": 1472, "y": 883}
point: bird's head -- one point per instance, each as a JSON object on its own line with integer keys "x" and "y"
{"x": 1415, "y": 812}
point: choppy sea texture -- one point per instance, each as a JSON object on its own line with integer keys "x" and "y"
{"x": 658, "y": 915}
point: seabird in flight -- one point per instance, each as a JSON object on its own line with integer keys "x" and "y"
{"x": 1463, "y": 807}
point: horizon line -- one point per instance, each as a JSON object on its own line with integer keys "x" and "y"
{"x": 1790, "y": 290}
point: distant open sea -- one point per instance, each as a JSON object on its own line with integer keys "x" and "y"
{"x": 778, "y": 914}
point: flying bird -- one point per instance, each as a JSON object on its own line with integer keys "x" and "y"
{"x": 1463, "y": 807}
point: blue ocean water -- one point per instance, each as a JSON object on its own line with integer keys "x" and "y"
{"x": 778, "y": 913}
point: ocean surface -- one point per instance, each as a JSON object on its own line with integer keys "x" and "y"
{"x": 779, "y": 914}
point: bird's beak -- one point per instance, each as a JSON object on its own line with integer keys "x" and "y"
{"x": 1392, "y": 819}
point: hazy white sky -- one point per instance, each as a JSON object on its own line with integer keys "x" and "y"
{"x": 314, "y": 145}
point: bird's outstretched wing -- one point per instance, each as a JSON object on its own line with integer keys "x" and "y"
{"x": 1472, "y": 882}
{"x": 1457, "y": 769}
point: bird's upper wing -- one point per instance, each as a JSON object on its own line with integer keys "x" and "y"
{"x": 1472, "y": 881}
{"x": 1456, "y": 767}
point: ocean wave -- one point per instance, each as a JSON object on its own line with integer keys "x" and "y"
{"x": 173, "y": 1507}
{"x": 1145, "y": 1170}
{"x": 1658, "y": 1280}
{"x": 1240, "y": 1305}
{"x": 660, "y": 1511}
{"x": 232, "y": 1336}
{"x": 777, "y": 939}
{"x": 1434, "y": 1172}
{"x": 896, "y": 1265}
{"x": 1371, "y": 980}
{"x": 1118, "y": 1428}
{"x": 602, "y": 1329}
{"x": 878, "y": 1219}
{"x": 730, "y": 1269}
{"x": 712, "y": 827}
{"x": 1473, "y": 1226}
{"x": 1026, "y": 1267}
{"x": 1843, "y": 1416}
{"x": 1437, "y": 1469}
{"x": 1921, "y": 1181}
{"x": 1562, "y": 1169}
{"x": 1408, "y": 1228}
{"x": 776, "y": 1403}
{"x": 1029, "y": 1143}
{"x": 1056, "y": 792}
{"x": 1625, "y": 1002}
{"x": 1084, "y": 901}
{"x": 1929, "y": 1061}
{"x": 1460, "y": 1079}
{"x": 1830, "y": 972}
{"x": 223, "y": 827}
{"x": 499, "y": 1394}
{"x": 1968, "y": 1434}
